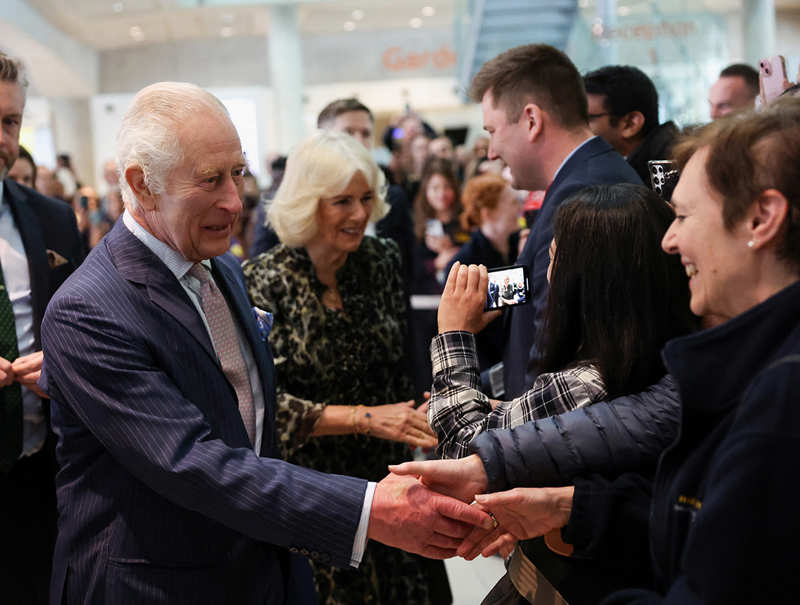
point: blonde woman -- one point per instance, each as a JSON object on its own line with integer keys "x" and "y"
{"x": 344, "y": 397}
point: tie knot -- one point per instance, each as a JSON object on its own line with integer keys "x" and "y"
{"x": 200, "y": 273}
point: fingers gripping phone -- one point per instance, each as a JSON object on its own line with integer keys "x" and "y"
{"x": 508, "y": 286}
{"x": 772, "y": 74}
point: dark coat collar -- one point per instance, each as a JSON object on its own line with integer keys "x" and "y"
{"x": 656, "y": 146}
{"x": 713, "y": 367}
{"x": 589, "y": 148}
{"x": 138, "y": 264}
{"x": 35, "y": 250}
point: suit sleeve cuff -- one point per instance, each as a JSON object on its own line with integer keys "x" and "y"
{"x": 360, "y": 542}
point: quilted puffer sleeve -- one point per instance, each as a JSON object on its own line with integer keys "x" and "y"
{"x": 622, "y": 435}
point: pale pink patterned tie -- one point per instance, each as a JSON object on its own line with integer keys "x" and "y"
{"x": 226, "y": 342}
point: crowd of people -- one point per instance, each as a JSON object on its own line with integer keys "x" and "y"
{"x": 204, "y": 385}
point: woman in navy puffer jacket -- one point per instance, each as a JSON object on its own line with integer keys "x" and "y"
{"x": 722, "y": 521}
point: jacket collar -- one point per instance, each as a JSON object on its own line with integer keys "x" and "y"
{"x": 138, "y": 264}
{"x": 590, "y": 147}
{"x": 713, "y": 367}
{"x": 30, "y": 232}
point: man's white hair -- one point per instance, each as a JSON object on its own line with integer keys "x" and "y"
{"x": 148, "y": 137}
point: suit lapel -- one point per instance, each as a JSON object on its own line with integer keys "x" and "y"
{"x": 240, "y": 307}
{"x": 38, "y": 268}
{"x": 137, "y": 263}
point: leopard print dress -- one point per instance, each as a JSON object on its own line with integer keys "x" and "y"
{"x": 354, "y": 356}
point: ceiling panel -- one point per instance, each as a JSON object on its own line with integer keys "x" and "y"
{"x": 107, "y": 24}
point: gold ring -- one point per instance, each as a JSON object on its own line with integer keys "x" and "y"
{"x": 494, "y": 521}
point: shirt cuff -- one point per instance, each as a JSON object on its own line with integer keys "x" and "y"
{"x": 454, "y": 349}
{"x": 360, "y": 542}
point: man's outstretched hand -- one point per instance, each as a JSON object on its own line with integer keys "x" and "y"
{"x": 407, "y": 515}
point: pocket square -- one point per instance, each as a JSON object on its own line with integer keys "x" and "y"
{"x": 54, "y": 259}
{"x": 263, "y": 322}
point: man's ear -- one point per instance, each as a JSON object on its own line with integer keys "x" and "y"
{"x": 632, "y": 124}
{"x": 134, "y": 176}
{"x": 532, "y": 117}
{"x": 767, "y": 217}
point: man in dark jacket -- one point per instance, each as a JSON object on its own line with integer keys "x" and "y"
{"x": 623, "y": 109}
{"x": 534, "y": 109}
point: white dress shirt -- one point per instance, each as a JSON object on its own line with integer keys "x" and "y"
{"x": 179, "y": 267}
{"x": 18, "y": 285}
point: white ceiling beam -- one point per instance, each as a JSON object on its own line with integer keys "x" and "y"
{"x": 57, "y": 65}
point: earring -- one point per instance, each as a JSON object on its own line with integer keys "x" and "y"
{"x": 750, "y": 244}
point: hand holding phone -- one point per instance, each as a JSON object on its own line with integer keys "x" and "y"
{"x": 464, "y": 300}
{"x": 772, "y": 78}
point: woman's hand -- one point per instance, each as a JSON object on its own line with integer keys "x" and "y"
{"x": 464, "y": 299}
{"x": 521, "y": 514}
{"x": 400, "y": 422}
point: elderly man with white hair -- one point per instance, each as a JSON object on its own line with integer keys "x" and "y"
{"x": 163, "y": 398}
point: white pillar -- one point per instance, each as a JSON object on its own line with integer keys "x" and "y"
{"x": 72, "y": 134}
{"x": 759, "y": 30}
{"x": 286, "y": 67}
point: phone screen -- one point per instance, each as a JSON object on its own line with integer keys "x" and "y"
{"x": 508, "y": 286}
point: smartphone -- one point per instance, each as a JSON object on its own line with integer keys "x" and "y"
{"x": 84, "y": 202}
{"x": 663, "y": 177}
{"x": 508, "y": 286}
{"x": 772, "y": 73}
{"x": 434, "y": 227}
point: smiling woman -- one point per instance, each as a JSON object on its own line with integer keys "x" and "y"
{"x": 339, "y": 345}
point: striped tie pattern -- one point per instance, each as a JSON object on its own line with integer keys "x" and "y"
{"x": 226, "y": 343}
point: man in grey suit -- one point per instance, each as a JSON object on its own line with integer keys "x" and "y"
{"x": 163, "y": 400}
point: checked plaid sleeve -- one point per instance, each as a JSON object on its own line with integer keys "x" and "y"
{"x": 459, "y": 411}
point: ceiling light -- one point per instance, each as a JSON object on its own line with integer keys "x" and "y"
{"x": 349, "y": 26}
{"x": 624, "y": 11}
{"x": 358, "y": 14}
{"x": 428, "y": 11}
{"x": 416, "y": 23}
{"x": 117, "y": 7}
{"x": 137, "y": 33}
{"x": 226, "y": 32}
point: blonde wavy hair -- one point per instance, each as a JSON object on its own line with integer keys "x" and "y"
{"x": 321, "y": 167}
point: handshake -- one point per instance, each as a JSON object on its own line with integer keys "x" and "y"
{"x": 422, "y": 507}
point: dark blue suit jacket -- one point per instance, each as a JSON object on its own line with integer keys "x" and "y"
{"x": 161, "y": 498}
{"x": 593, "y": 164}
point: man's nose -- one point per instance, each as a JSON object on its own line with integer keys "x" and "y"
{"x": 230, "y": 197}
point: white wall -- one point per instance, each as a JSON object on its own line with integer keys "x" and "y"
{"x": 72, "y": 133}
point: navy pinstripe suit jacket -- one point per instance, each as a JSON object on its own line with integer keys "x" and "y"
{"x": 161, "y": 498}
